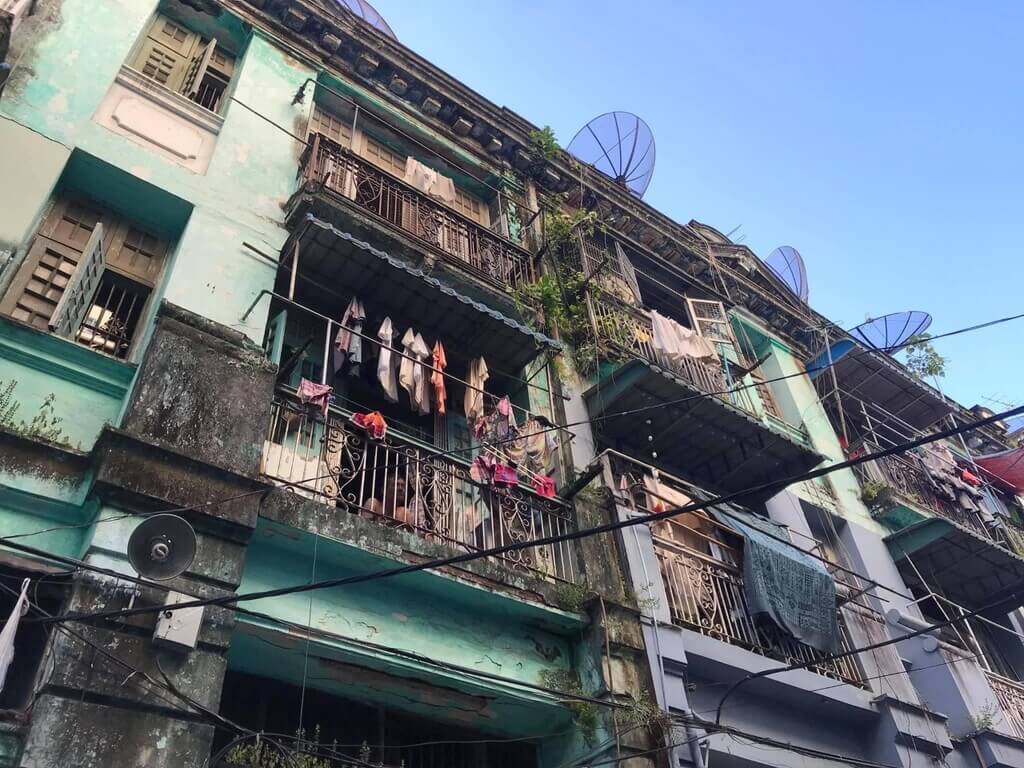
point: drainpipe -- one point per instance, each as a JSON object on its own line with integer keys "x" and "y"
{"x": 692, "y": 737}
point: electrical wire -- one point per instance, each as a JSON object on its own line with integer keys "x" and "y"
{"x": 771, "y": 485}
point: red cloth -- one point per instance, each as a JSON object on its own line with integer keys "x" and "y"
{"x": 373, "y": 423}
{"x": 505, "y": 475}
{"x": 437, "y": 377}
{"x": 969, "y": 477}
{"x": 544, "y": 486}
{"x": 1007, "y": 466}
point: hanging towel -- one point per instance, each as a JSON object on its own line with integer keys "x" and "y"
{"x": 476, "y": 376}
{"x": 673, "y": 341}
{"x": 429, "y": 181}
{"x": 348, "y": 343}
{"x": 437, "y": 377}
{"x": 421, "y": 377}
{"x": 387, "y": 374}
{"x": 785, "y": 584}
{"x": 10, "y": 630}
{"x": 315, "y": 394}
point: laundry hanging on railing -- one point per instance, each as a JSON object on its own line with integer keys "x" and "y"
{"x": 318, "y": 395}
{"x": 674, "y": 342}
{"x": 944, "y": 475}
{"x": 437, "y": 378}
{"x": 348, "y": 343}
{"x": 784, "y": 584}
{"x": 387, "y": 363}
{"x": 429, "y": 181}
{"x": 372, "y": 422}
{"x": 476, "y": 377}
{"x": 412, "y": 374}
{"x": 9, "y": 631}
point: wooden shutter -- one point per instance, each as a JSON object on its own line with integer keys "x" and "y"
{"x": 627, "y": 272}
{"x": 197, "y": 69}
{"x": 77, "y": 296}
{"x": 136, "y": 253}
{"x": 164, "y": 54}
{"x": 51, "y": 262}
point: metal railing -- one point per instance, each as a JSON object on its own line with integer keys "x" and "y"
{"x": 630, "y": 330}
{"x": 408, "y": 485}
{"x": 462, "y": 240}
{"x": 1011, "y": 700}
{"x": 705, "y": 594}
{"x": 909, "y": 482}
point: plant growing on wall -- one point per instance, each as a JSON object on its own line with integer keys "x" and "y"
{"x": 585, "y": 713}
{"x": 877, "y": 495}
{"x": 921, "y": 358}
{"x": 544, "y": 142}
{"x": 260, "y": 754}
{"x": 45, "y": 425}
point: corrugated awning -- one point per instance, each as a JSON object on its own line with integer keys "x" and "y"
{"x": 705, "y": 438}
{"x": 410, "y": 295}
{"x": 1006, "y": 466}
{"x": 963, "y": 565}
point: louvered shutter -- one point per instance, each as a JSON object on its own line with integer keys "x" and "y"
{"x": 77, "y": 297}
{"x": 274, "y": 344}
{"x": 627, "y": 272}
{"x": 197, "y": 70}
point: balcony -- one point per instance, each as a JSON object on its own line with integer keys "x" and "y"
{"x": 340, "y": 181}
{"x": 705, "y": 595}
{"x": 1011, "y": 700}
{"x": 697, "y": 427}
{"x": 405, "y": 484}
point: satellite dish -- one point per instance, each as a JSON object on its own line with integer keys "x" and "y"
{"x": 369, "y": 14}
{"x": 619, "y": 145}
{"x": 890, "y": 331}
{"x": 787, "y": 264}
{"x": 162, "y": 547}
{"x": 829, "y": 356}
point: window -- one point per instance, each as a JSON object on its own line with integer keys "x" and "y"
{"x": 176, "y": 57}
{"x": 88, "y": 276}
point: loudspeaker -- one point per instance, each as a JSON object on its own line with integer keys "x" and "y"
{"x": 162, "y": 547}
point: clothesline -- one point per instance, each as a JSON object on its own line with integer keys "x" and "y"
{"x": 400, "y": 353}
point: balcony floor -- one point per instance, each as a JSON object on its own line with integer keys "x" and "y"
{"x": 704, "y": 438}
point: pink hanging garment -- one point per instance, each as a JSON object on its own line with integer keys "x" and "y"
{"x": 544, "y": 486}
{"x": 505, "y": 475}
{"x": 372, "y": 422}
{"x": 315, "y": 394}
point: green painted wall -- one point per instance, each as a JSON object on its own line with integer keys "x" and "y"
{"x": 240, "y": 197}
{"x": 35, "y": 162}
{"x": 88, "y": 388}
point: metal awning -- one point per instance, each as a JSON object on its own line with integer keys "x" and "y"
{"x": 705, "y": 438}
{"x": 331, "y": 257}
{"x": 873, "y": 378}
{"x": 959, "y": 563}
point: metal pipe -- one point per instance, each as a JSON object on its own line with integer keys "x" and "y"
{"x": 295, "y": 271}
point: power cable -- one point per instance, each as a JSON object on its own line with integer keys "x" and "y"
{"x": 770, "y": 485}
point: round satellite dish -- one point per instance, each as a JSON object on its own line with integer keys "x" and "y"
{"x": 369, "y": 14}
{"x": 162, "y": 547}
{"x": 890, "y": 331}
{"x": 619, "y": 145}
{"x": 787, "y": 264}
{"x": 829, "y": 357}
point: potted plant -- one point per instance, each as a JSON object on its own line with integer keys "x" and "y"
{"x": 877, "y": 495}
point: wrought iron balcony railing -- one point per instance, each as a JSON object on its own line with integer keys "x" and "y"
{"x": 459, "y": 239}
{"x": 630, "y": 330}
{"x": 909, "y": 482}
{"x": 409, "y": 485}
{"x": 1011, "y": 700}
{"x": 705, "y": 594}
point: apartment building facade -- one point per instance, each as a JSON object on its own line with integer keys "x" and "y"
{"x": 243, "y": 237}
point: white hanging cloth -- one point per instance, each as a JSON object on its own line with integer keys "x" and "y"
{"x": 10, "y": 630}
{"x": 429, "y": 181}
{"x": 407, "y": 366}
{"x": 387, "y": 373}
{"x": 476, "y": 376}
{"x": 673, "y": 341}
{"x": 421, "y": 375}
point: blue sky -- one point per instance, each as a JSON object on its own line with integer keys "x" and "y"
{"x": 883, "y": 140}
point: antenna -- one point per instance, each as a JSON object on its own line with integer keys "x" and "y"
{"x": 162, "y": 547}
{"x": 787, "y": 264}
{"x": 621, "y": 146}
{"x": 369, "y": 14}
{"x": 890, "y": 331}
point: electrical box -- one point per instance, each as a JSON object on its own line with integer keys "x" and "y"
{"x": 178, "y": 628}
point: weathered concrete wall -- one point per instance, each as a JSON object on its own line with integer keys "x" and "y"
{"x": 35, "y": 162}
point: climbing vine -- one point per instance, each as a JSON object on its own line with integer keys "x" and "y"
{"x": 585, "y": 713}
